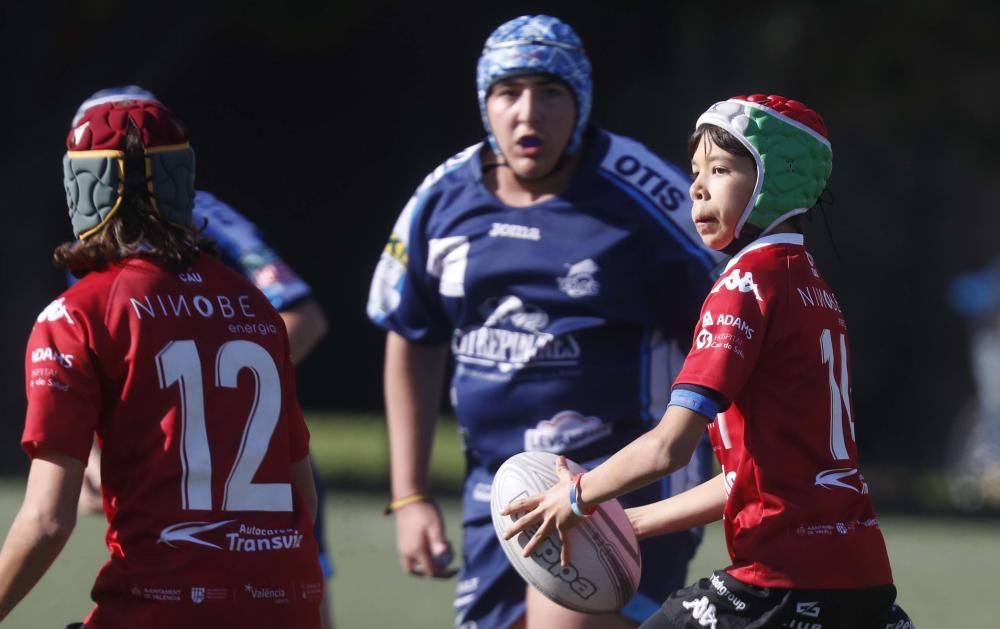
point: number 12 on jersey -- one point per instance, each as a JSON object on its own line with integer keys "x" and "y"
{"x": 179, "y": 363}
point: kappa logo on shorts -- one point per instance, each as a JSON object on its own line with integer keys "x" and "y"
{"x": 703, "y": 611}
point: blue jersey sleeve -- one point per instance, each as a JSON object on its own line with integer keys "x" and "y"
{"x": 242, "y": 247}
{"x": 403, "y": 296}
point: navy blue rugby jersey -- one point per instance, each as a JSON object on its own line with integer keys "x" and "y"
{"x": 568, "y": 319}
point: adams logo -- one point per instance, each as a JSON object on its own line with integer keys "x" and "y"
{"x": 46, "y": 354}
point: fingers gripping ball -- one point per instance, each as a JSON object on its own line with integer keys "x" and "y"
{"x": 605, "y": 565}
{"x": 97, "y": 173}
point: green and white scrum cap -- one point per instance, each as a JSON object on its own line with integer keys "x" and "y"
{"x": 788, "y": 140}
{"x": 98, "y": 173}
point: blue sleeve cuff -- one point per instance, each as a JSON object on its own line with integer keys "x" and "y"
{"x": 696, "y": 402}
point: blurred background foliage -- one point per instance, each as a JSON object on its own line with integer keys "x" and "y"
{"x": 318, "y": 119}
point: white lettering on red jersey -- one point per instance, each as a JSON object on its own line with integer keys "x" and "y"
{"x": 187, "y": 382}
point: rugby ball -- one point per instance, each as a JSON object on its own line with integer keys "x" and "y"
{"x": 605, "y": 564}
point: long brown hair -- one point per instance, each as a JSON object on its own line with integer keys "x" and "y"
{"x": 137, "y": 229}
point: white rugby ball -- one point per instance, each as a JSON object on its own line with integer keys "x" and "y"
{"x": 605, "y": 564}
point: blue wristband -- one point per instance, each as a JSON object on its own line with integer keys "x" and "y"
{"x": 574, "y": 504}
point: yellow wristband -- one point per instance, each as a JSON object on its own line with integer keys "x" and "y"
{"x": 398, "y": 504}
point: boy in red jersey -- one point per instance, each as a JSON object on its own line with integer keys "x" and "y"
{"x": 181, "y": 368}
{"x": 769, "y": 374}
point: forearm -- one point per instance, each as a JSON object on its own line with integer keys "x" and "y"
{"x": 306, "y": 325}
{"x": 41, "y": 527}
{"x": 664, "y": 449}
{"x": 31, "y": 546}
{"x": 698, "y": 506}
{"x": 414, "y": 376}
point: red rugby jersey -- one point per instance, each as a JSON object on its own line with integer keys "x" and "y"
{"x": 187, "y": 382}
{"x": 773, "y": 340}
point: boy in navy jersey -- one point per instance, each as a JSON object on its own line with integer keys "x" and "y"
{"x": 556, "y": 262}
{"x": 769, "y": 376}
{"x": 181, "y": 368}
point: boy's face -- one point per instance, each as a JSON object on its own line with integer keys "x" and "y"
{"x": 532, "y": 119}
{"x": 721, "y": 186}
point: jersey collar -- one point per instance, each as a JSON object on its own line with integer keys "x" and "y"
{"x": 764, "y": 241}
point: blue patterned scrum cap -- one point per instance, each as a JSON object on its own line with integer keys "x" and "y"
{"x": 536, "y": 44}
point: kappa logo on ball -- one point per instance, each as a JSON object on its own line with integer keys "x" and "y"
{"x": 547, "y": 555}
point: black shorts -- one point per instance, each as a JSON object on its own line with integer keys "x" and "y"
{"x": 722, "y": 602}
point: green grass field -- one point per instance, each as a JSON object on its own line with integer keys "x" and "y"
{"x": 944, "y": 567}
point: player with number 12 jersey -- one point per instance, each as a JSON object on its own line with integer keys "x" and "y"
{"x": 187, "y": 381}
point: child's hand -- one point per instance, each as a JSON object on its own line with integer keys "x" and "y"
{"x": 545, "y": 511}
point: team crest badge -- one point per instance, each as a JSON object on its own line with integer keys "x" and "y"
{"x": 579, "y": 280}
{"x": 197, "y": 595}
